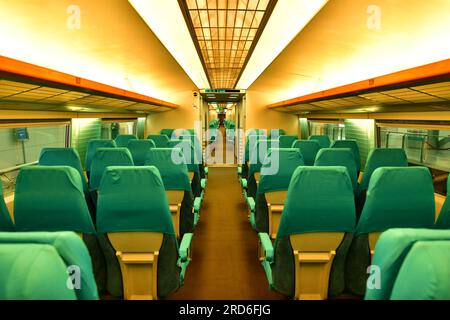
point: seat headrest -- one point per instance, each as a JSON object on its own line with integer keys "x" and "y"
{"x": 167, "y": 132}
{"x": 33, "y": 272}
{"x": 133, "y": 199}
{"x": 338, "y": 157}
{"x": 398, "y": 198}
{"x": 390, "y": 252}
{"x": 92, "y": 146}
{"x": 287, "y": 141}
{"x": 122, "y": 139}
{"x": 172, "y": 167}
{"x": 382, "y": 157}
{"x": 6, "y": 223}
{"x": 353, "y": 145}
{"x": 251, "y": 142}
{"x": 424, "y": 273}
{"x": 259, "y": 153}
{"x": 324, "y": 140}
{"x": 319, "y": 199}
{"x": 51, "y": 199}
{"x": 139, "y": 149}
{"x": 105, "y": 157}
{"x": 160, "y": 140}
{"x": 70, "y": 248}
{"x": 62, "y": 157}
{"x": 288, "y": 160}
{"x": 308, "y": 149}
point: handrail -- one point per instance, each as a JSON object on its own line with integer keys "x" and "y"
{"x": 18, "y": 167}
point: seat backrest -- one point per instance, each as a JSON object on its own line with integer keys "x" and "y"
{"x": 144, "y": 189}
{"x": 70, "y": 248}
{"x": 139, "y": 149}
{"x": 92, "y": 147}
{"x": 188, "y": 152}
{"x": 105, "y": 157}
{"x": 63, "y": 157}
{"x": 398, "y": 198}
{"x": 33, "y": 272}
{"x": 51, "y": 199}
{"x": 338, "y": 157}
{"x": 289, "y": 160}
{"x": 172, "y": 167}
{"x": 391, "y": 249}
{"x": 122, "y": 139}
{"x": 6, "y": 223}
{"x": 443, "y": 221}
{"x": 308, "y": 149}
{"x": 258, "y": 154}
{"x": 167, "y": 132}
{"x": 196, "y": 144}
{"x": 382, "y": 157}
{"x": 250, "y": 143}
{"x": 324, "y": 140}
{"x": 286, "y": 141}
{"x": 160, "y": 140}
{"x": 424, "y": 273}
{"x": 319, "y": 199}
{"x": 353, "y": 145}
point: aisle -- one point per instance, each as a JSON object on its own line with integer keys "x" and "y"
{"x": 225, "y": 263}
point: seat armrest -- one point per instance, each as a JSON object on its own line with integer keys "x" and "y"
{"x": 266, "y": 245}
{"x": 239, "y": 169}
{"x": 244, "y": 183}
{"x": 251, "y": 204}
{"x": 185, "y": 246}
{"x": 203, "y": 183}
{"x": 197, "y": 204}
{"x": 206, "y": 170}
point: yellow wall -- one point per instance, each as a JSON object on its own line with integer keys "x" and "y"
{"x": 258, "y": 116}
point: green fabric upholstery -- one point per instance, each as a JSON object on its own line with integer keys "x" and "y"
{"x": 188, "y": 152}
{"x": 174, "y": 175}
{"x": 197, "y": 146}
{"x": 63, "y": 157}
{"x": 382, "y": 158}
{"x": 51, "y": 199}
{"x": 287, "y": 141}
{"x": 319, "y": 199}
{"x": 133, "y": 199}
{"x": 250, "y": 144}
{"x": 92, "y": 147}
{"x": 70, "y": 248}
{"x": 443, "y": 221}
{"x": 160, "y": 140}
{"x": 105, "y": 157}
{"x": 33, "y": 272}
{"x": 338, "y": 157}
{"x": 324, "y": 141}
{"x": 6, "y": 223}
{"x": 289, "y": 160}
{"x": 424, "y": 273}
{"x": 308, "y": 149}
{"x": 397, "y": 198}
{"x": 167, "y": 132}
{"x": 353, "y": 145}
{"x": 391, "y": 249}
{"x": 122, "y": 139}
{"x": 139, "y": 149}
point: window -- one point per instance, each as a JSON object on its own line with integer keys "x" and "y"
{"x": 111, "y": 129}
{"x": 335, "y": 130}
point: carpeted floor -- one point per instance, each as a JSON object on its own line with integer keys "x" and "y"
{"x": 225, "y": 260}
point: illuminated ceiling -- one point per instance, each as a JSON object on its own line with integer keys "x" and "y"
{"x": 225, "y": 33}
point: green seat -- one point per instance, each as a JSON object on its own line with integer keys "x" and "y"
{"x": 275, "y": 133}
{"x": 63, "y": 157}
{"x": 286, "y": 141}
{"x": 396, "y": 198}
{"x": 174, "y": 173}
{"x": 288, "y": 161}
{"x": 390, "y": 252}
{"x": 324, "y": 140}
{"x": 318, "y": 215}
{"x": 424, "y": 273}
{"x": 92, "y": 147}
{"x": 139, "y": 149}
{"x": 167, "y": 132}
{"x": 308, "y": 149}
{"x": 70, "y": 249}
{"x": 250, "y": 143}
{"x": 122, "y": 139}
{"x": 33, "y": 272}
{"x": 134, "y": 213}
{"x": 105, "y": 157}
{"x": 6, "y": 223}
{"x": 353, "y": 145}
{"x": 338, "y": 157}
{"x": 160, "y": 140}
{"x": 443, "y": 221}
